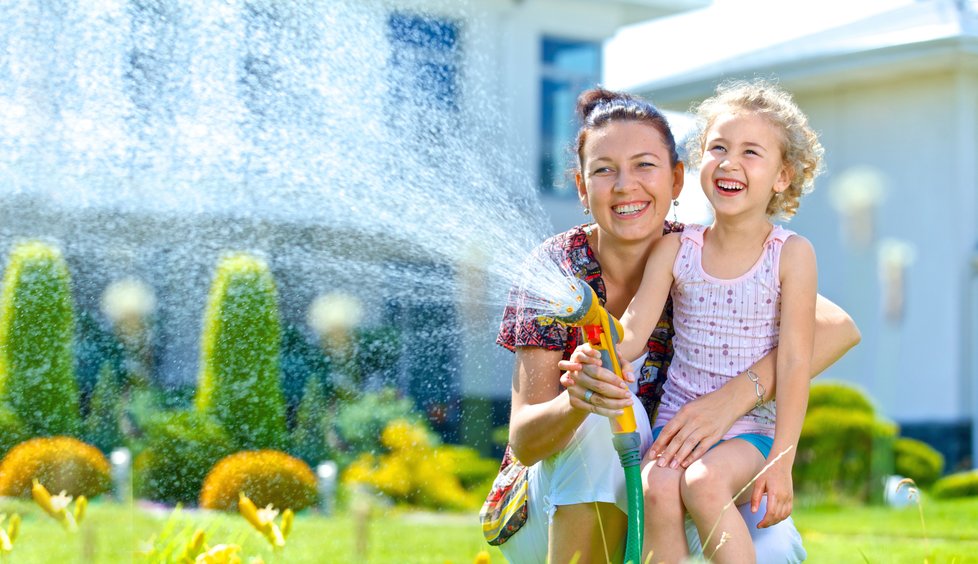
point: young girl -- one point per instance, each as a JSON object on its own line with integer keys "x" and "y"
{"x": 740, "y": 288}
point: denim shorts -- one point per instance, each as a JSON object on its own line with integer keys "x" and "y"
{"x": 762, "y": 443}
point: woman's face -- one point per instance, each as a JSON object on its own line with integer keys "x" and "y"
{"x": 626, "y": 179}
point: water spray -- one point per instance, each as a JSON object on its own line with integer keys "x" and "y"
{"x": 603, "y": 331}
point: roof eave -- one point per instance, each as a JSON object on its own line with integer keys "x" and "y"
{"x": 821, "y": 71}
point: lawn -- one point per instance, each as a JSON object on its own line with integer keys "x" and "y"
{"x": 112, "y": 533}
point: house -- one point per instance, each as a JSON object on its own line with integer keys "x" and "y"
{"x": 894, "y": 220}
{"x": 343, "y": 141}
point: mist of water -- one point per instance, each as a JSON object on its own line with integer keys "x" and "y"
{"x": 148, "y": 136}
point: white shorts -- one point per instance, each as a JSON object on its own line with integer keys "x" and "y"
{"x": 588, "y": 470}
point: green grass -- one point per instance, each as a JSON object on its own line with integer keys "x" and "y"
{"x": 885, "y": 535}
{"x": 112, "y": 533}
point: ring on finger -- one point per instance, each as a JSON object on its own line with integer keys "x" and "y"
{"x": 587, "y": 395}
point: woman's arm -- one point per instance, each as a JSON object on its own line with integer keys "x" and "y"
{"x": 543, "y": 419}
{"x": 704, "y": 421}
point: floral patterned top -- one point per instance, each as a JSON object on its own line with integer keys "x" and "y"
{"x": 571, "y": 250}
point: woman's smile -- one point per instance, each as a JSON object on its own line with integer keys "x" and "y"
{"x": 630, "y": 210}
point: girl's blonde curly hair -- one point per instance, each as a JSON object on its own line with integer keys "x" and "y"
{"x": 801, "y": 151}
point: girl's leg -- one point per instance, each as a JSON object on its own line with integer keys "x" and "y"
{"x": 708, "y": 485}
{"x": 576, "y": 529}
{"x": 665, "y": 533}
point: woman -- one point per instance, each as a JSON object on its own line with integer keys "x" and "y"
{"x": 627, "y": 177}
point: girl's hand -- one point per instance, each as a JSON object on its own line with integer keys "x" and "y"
{"x": 697, "y": 426}
{"x": 584, "y": 373}
{"x": 776, "y": 482}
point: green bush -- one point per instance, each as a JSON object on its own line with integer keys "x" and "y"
{"x": 835, "y": 452}
{"x": 962, "y": 484}
{"x": 240, "y": 355}
{"x": 180, "y": 448}
{"x": 312, "y": 425}
{"x": 37, "y": 324}
{"x": 12, "y": 431}
{"x": 104, "y": 412}
{"x": 918, "y": 460}
{"x": 839, "y": 395}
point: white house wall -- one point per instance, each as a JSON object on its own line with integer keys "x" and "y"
{"x": 907, "y": 130}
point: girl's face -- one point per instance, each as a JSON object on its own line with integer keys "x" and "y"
{"x": 626, "y": 179}
{"x": 742, "y": 165}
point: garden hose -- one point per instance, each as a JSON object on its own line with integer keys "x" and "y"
{"x": 603, "y": 331}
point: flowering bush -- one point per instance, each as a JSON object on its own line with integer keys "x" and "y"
{"x": 60, "y": 463}
{"x": 414, "y": 469}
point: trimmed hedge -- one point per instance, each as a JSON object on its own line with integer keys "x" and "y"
{"x": 962, "y": 484}
{"x": 180, "y": 448}
{"x": 844, "y": 447}
{"x": 240, "y": 355}
{"x": 59, "y": 463}
{"x": 265, "y": 476}
{"x": 918, "y": 460}
{"x": 37, "y": 330}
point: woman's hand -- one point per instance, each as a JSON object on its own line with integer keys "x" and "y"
{"x": 696, "y": 427}
{"x": 592, "y": 387}
{"x": 776, "y": 482}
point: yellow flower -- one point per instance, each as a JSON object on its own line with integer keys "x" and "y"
{"x": 287, "y": 518}
{"x": 220, "y": 554}
{"x": 55, "y": 506}
{"x": 482, "y": 558}
{"x": 262, "y": 520}
{"x": 14, "y": 528}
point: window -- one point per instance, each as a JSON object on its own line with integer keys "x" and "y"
{"x": 424, "y": 62}
{"x": 567, "y": 68}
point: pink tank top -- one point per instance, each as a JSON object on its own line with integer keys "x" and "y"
{"x": 722, "y": 327}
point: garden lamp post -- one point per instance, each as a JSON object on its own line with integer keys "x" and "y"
{"x": 334, "y": 317}
{"x": 128, "y": 303}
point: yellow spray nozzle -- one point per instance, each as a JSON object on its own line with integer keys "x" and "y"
{"x": 603, "y": 331}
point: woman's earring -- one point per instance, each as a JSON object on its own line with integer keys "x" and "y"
{"x": 587, "y": 211}
{"x": 675, "y": 215}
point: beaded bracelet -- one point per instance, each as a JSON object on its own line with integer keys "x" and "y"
{"x": 758, "y": 387}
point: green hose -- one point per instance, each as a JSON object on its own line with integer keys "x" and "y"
{"x": 628, "y": 447}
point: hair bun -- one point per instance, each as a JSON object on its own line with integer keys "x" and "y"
{"x": 590, "y": 99}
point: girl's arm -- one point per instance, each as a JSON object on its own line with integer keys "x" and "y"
{"x": 799, "y": 287}
{"x": 703, "y": 421}
{"x": 645, "y": 309}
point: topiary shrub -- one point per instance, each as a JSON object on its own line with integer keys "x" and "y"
{"x": 180, "y": 448}
{"x": 835, "y": 452}
{"x": 58, "y": 463}
{"x": 12, "y": 431}
{"x": 962, "y": 484}
{"x": 239, "y": 379}
{"x": 102, "y": 427}
{"x": 264, "y": 476}
{"x": 918, "y": 460}
{"x": 312, "y": 425}
{"x": 37, "y": 324}
{"x": 839, "y": 395}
